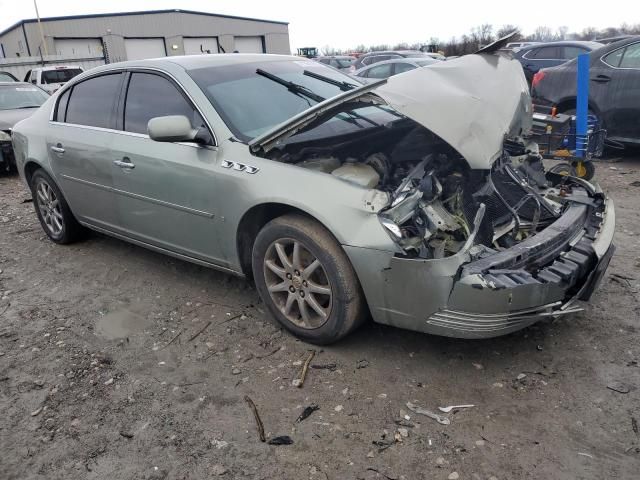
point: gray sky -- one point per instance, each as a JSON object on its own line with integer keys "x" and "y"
{"x": 344, "y": 24}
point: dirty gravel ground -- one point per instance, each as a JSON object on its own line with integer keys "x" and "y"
{"x": 103, "y": 375}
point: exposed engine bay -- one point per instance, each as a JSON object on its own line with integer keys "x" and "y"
{"x": 437, "y": 205}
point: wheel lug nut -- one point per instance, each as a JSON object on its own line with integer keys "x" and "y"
{"x": 304, "y": 284}
{"x": 297, "y": 273}
{"x": 292, "y": 289}
{"x": 289, "y": 276}
{"x": 301, "y": 293}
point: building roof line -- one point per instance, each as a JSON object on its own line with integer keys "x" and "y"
{"x": 141, "y": 12}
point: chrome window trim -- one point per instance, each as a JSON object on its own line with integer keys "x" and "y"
{"x": 613, "y": 51}
{"x": 131, "y": 70}
{"x": 128, "y": 134}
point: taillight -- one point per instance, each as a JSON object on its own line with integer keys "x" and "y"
{"x": 537, "y": 78}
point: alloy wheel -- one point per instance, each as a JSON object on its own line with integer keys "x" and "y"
{"x": 298, "y": 283}
{"x": 50, "y": 208}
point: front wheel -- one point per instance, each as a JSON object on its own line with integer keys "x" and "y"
{"x": 306, "y": 280}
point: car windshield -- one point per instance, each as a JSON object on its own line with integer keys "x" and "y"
{"x": 60, "y": 76}
{"x": 21, "y": 96}
{"x": 251, "y": 103}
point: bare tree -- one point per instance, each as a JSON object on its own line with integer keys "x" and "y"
{"x": 506, "y": 29}
{"x": 542, "y": 34}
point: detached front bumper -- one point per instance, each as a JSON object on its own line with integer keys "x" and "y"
{"x": 543, "y": 277}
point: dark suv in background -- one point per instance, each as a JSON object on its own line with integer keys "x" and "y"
{"x": 614, "y": 89}
{"x": 543, "y": 55}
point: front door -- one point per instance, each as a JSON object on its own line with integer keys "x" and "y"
{"x": 166, "y": 191}
{"x": 79, "y": 145}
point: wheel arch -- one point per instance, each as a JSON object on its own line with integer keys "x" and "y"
{"x": 29, "y": 169}
{"x": 570, "y": 103}
{"x": 252, "y": 222}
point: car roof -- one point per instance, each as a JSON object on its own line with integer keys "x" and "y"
{"x": 337, "y": 56}
{"x": 58, "y": 67}
{"x": 412, "y": 61}
{"x": 563, "y": 43}
{"x": 191, "y": 62}
{"x": 16, "y": 84}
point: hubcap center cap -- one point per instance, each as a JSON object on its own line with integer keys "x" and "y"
{"x": 297, "y": 283}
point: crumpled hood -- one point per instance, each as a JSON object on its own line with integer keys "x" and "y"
{"x": 472, "y": 103}
{"x": 8, "y": 118}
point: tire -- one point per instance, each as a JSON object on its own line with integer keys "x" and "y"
{"x": 290, "y": 288}
{"x": 563, "y": 168}
{"x": 584, "y": 169}
{"x": 53, "y": 211}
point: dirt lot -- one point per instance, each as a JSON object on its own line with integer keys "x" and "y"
{"x": 119, "y": 363}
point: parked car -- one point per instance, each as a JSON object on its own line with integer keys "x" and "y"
{"x": 7, "y": 77}
{"x": 614, "y": 89}
{"x": 374, "y": 57}
{"x": 50, "y": 79}
{"x": 544, "y": 55}
{"x": 17, "y": 101}
{"x": 515, "y": 46}
{"x": 424, "y": 206}
{"x": 389, "y": 68}
{"x": 341, "y": 62}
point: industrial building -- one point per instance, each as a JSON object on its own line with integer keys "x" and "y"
{"x": 115, "y": 37}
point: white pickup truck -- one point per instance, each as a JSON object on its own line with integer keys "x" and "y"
{"x": 51, "y": 79}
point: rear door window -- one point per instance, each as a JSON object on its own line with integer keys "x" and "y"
{"x": 403, "y": 67}
{"x": 569, "y": 53}
{"x": 92, "y": 101}
{"x": 150, "y": 96}
{"x": 631, "y": 57}
{"x": 380, "y": 71}
{"x": 543, "y": 53}
{"x": 613, "y": 59}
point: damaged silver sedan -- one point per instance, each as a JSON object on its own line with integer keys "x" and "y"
{"x": 419, "y": 200}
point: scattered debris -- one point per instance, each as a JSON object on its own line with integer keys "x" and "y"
{"x": 36, "y": 411}
{"x": 126, "y": 433}
{"x": 281, "y": 440}
{"x": 109, "y": 382}
{"x": 403, "y": 432}
{"x": 634, "y": 425}
{"x": 195, "y": 335}
{"x": 585, "y": 454}
{"x": 236, "y": 371}
{"x": 478, "y": 366}
{"x": 307, "y": 412}
{"x": 362, "y": 363}
{"x": 383, "y": 444}
{"x": 328, "y": 366}
{"x": 273, "y": 352}
{"x": 172, "y": 340}
{"x": 423, "y": 411}
{"x": 219, "y": 444}
{"x": 299, "y": 382}
{"x": 451, "y": 407}
{"x": 619, "y": 387}
{"x": 453, "y": 476}
{"x": 635, "y": 183}
{"x": 256, "y": 415}
{"x": 521, "y": 377}
{"x": 338, "y": 408}
{"x": 404, "y": 423}
{"x": 371, "y": 469}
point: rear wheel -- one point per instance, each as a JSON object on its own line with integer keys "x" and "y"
{"x": 306, "y": 280}
{"x": 53, "y": 211}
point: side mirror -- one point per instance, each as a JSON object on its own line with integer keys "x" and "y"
{"x": 172, "y": 128}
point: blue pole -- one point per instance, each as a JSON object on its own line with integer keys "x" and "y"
{"x": 582, "y": 105}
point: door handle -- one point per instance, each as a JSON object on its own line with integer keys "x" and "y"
{"x": 58, "y": 149}
{"x": 601, "y": 79}
{"x": 124, "y": 163}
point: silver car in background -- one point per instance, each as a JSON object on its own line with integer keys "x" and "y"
{"x": 389, "y": 68}
{"x": 417, "y": 200}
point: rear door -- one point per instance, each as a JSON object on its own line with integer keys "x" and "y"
{"x": 619, "y": 81}
{"x": 166, "y": 191}
{"x": 537, "y": 58}
{"x": 79, "y": 141}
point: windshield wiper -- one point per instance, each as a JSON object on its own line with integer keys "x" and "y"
{"x": 291, "y": 86}
{"x": 26, "y": 106}
{"x": 344, "y": 86}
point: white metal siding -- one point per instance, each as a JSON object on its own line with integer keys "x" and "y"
{"x": 79, "y": 47}
{"x": 141, "y": 48}
{"x": 249, "y": 44}
{"x": 195, "y": 46}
